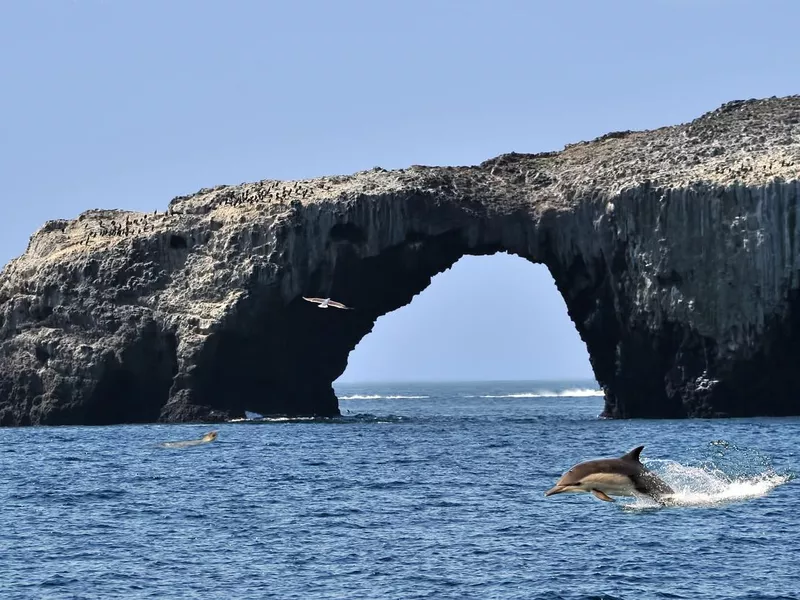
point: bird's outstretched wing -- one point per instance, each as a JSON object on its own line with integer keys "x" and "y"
{"x": 335, "y": 304}
{"x": 315, "y": 300}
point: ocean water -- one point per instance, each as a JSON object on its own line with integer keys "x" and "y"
{"x": 418, "y": 491}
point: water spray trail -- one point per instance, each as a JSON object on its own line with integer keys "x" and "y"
{"x": 731, "y": 474}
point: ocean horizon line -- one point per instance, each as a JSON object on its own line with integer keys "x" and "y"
{"x": 588, "y": 381}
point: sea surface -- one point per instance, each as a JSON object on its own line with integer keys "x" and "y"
{"x": 417, "y": 491}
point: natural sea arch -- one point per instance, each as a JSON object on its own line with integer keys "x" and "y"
{"x": 276, "y": 354}
{"x": 675, "y": 252}
{"x": 281, "y": 356}
{"x": 493, "y": 317}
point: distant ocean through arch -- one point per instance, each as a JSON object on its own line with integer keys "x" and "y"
{"x": 565, "y": 388}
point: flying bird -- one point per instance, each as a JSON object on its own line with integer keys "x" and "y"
{"x": 327, "y": 303}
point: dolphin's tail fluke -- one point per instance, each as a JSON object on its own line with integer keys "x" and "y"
{"x": 652, "y": 485}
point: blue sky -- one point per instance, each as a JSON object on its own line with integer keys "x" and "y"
{"x": 112, "y": 103}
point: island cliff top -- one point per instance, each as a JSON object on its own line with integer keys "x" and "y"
{"x": 747, "y": 142}
{"x": 743, "y": 141}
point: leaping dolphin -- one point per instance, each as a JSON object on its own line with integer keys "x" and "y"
{"x": 327, "y": 303}
{"x": 605, "y": 477}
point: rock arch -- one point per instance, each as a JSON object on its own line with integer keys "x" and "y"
{"x": 674, "y": 250}
{"x": 279, "y": 356}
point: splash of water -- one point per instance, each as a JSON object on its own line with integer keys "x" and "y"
{"x": 746, "y": 475}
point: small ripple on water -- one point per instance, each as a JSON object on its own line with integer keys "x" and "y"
{"x": 71, "y": 497}
{"x": 72, "y": 459}
{"x": 58, "y": 580}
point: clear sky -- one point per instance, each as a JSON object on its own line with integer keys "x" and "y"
{"x": 114, "y": 103}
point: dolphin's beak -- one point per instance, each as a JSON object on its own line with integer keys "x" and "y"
{"x": 555, "y": 490}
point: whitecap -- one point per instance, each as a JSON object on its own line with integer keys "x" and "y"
{"x": 378, "y": 397}
{"x": 569, "y": 393}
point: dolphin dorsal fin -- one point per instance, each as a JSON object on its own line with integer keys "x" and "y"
{"x": 633, "y": 454}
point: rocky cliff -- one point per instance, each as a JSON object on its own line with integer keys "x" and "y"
{"x": 677, "y": 252}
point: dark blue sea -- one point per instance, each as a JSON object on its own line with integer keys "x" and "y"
{"x": 417, "y": 491}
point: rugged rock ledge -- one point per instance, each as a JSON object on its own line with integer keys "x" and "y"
{"x": 676, "y": 251}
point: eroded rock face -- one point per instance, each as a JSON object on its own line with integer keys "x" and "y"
{"x": 676, "y": 251}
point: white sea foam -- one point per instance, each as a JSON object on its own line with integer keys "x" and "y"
{"x": 570, "y": 393}
{"x": 378, "y": 397}
{"x": 260, "y": 419}
{"x": 707, "y": 486}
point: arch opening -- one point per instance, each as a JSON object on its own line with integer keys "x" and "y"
{"x": 487, "y": 318}
{"x": 279, "y": 358}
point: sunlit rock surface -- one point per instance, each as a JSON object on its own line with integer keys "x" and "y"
{"x": 676, "y": 252}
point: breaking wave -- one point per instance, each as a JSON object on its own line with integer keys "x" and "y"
{"x": 260, "y": 419}
{"x": 570, "y": 393}
{"x": 734, "y": 475}
{"x": 255, "y": 418}
{"x": 379, "y": 397}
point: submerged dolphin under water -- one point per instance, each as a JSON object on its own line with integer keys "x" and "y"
{"x": 209, "y": 437}
{"x": 606, "y": 477}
